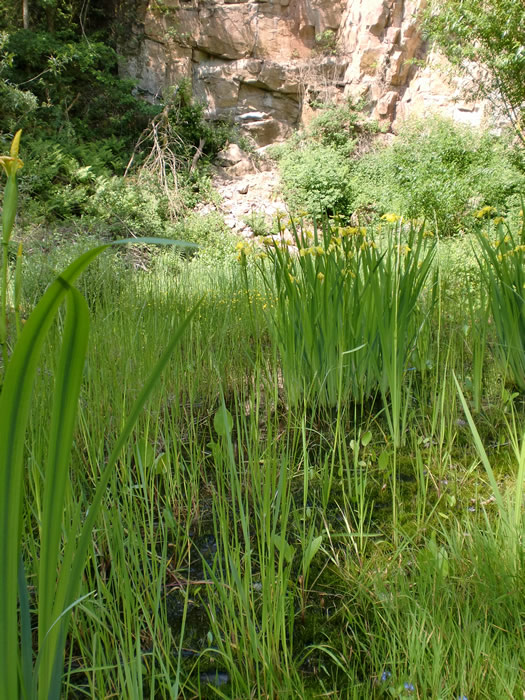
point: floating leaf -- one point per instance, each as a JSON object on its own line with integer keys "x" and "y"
{"x": 365, "y": 439}
{"x": 383, "y": 460}
{"x": 223, "y": 421}
{"x": 311, "y": 551}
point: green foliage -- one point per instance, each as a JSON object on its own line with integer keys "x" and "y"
{"x": 503, "y": 270}
{"x": 75, "y": 85}
{"x": 316, "y": 164}
{"x": 61, "y": 176}
{"x": 348, "y": 315}
{"x": 127, "y": 207}
{"x": 316, "y": 179}
{"x": 326, "y": 43}
{"x": 75, "y": 151}
{"x": 215, "y": 240}
{"x": 191, "y": 127}
{"x": 246, "y": 510}
{"x": 82, "y": 119}
{"x": 342, "y": 127}
{"x": 15, "y": 102}
{"x": 57, "y": 595}
{"x": 28, "y": 671}
{"x": 490, "y": 34}
{"x": 259, "y": 223}
{"x": 441, "y": 171}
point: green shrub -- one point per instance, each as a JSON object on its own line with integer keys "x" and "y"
{"x": 343, "y": 127}
{"x": 184, "y": 128}
{"x": 315, "y": 179}
{"x": 259, "y": 223}
{"x": 78, "y": 91}
{"x": 326, "y": 43}
{"x": 215, "y": 240}
{"x": 441, "y": 171}
{"x": 129, "y": 207}
{"x": 316, "y": 164}
{"x": 60, "y": 175}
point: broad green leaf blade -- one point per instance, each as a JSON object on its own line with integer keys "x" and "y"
{"x": 310, "y": 552}
{"x": 15, "y": 401}
{"x": 63, "y": 419}
{"x": 223, "y": 421}
{"x": 365, "y": 439}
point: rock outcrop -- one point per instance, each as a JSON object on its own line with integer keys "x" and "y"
{"x": 265, "y": 63}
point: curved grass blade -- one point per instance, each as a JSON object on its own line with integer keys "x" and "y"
{"x": 63, "y": 419}
{"x": 498, "y": 496}
{"x": 15, "y": 401}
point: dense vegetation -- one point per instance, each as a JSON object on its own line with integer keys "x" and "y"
{"x": 253, "y": 469}
{"x": 484, "y": 41}
{"x": 84, "y": 126}
{"x": 434, "y": 170}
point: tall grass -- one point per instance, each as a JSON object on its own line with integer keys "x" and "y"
{"x": 59, "y": 571}
{"x": 502, "y": 263}
{"x": 248, "y": 546}
{"x": 348, "y": 313}
{"x": 63, "y": 543}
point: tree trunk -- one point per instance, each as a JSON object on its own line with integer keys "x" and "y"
{"x": 50, "y": 15}
{"x": 25, "y": 14}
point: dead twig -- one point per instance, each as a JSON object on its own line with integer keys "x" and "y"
{"x": 161, "y": 163}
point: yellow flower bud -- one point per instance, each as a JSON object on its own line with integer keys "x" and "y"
{"x": 12, "y": 162}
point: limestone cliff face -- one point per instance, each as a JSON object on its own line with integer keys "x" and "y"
{"x": 264, "y": 63}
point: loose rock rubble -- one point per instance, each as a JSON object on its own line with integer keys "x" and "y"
{"x": 249, "y": 192}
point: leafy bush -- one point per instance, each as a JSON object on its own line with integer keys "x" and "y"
{"x": 15, "y": 102}
{"x": 316, "y": 164}
{"x": 326, "y": 43}
{"x": 343, "y": 127}
{"x": 68, "y": 175}
{"x": 259, "y": 223}
{"x": 75, "y": 85}
{"x": 215, "y": 240}
{"x": 60, "y": 177}
{"x": 439, "y": 170}
{"x": 129, "y": 207}
{"x": 316, "y": 179}
{"x": 193, "y": 131}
